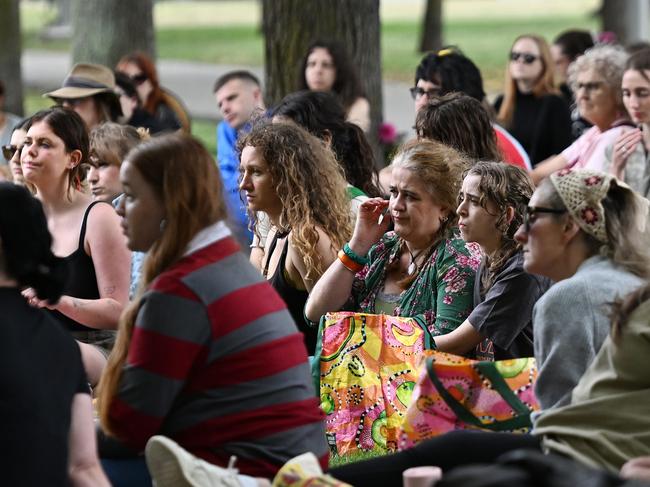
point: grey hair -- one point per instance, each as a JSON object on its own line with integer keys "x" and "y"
{"x": 609, "y": 61}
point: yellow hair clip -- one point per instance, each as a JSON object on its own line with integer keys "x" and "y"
{"x": 445, "y": 52}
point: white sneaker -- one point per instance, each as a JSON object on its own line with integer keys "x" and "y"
{"x": 171, "y": 465}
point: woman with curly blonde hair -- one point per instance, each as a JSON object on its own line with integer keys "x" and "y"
{"x": 292, "y": 177}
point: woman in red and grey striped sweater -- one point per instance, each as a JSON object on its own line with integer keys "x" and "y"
{"x": 207, "y": 354}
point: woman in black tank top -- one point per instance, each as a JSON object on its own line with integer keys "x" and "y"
{"x": 86, "y": 235}
{"x": 290, "y": 175}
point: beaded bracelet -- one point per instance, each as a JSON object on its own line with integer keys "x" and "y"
{"x": 354, "y": 256}
{"x": 348, "y": 263}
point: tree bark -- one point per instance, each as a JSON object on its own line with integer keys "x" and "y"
{"x": 106, "y": 30}
{"x": 431, "y": 34}
{"x": 291, "y": 25}
{"x": 10, "y": 72}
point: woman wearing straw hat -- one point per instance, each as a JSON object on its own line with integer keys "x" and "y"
{"x": 89, "y": 90}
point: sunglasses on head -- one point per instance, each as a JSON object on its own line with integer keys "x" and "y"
{"x": 532, "y": 211}
{"x": 138, "y": 79}
{"x": 9, "y": 150}
{"x": 417, "y": 92}
{"x": 526, "y": 58}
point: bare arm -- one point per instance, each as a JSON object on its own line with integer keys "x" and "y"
{"x": 359, "y": 113}
{"x": 547, "y": 167}
{"x": 106, "y": 246}
{"x": 325, "y": 251}
{"x": 84, "y": 468}
{"x": 460, "y": 341}
{"x": 333, "y": 288}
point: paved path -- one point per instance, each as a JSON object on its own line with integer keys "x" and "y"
{"x": 193, "y": 82}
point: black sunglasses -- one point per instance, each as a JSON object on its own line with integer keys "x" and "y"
{"x": 417, "y": 92}
{"x": 8, "y": 151}
{"x": 138, "y": 79}
{"x": 526, "y": 58}
{"x": 531, "y": 212}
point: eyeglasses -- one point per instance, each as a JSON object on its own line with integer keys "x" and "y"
{"x": 138, "y": 79}
{"x": 589, "y": 86}
{"x": 417, "y": 92}
{"x": 525, "y": 57}
{"x": 531, "y": 214}
{"x": 8, "y": 151}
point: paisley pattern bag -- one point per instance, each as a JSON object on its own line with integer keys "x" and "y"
{"x": 458, "y": 393}
{"x": 365, "y": 369}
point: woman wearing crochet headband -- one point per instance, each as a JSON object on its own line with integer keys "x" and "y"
{"x": 584, "y": 230}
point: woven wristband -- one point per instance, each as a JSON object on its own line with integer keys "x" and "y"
{"x": 354, "y": 256}
{"x": 348, "y": 263}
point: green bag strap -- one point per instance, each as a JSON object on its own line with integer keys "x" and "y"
{"x": 429, "y": 342}
{"x": 499, "y": 384}
{"x": 315, "y": 365}
{"x": 354, "y": 192}
{"x": 518, "y": 422}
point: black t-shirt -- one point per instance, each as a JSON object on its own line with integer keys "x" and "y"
{"x": 40, "y": 373}
{"x": 542, "y": 125}
{"x": 504, "y": 314}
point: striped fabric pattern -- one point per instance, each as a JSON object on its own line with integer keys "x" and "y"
{"x": 217, "y": 364}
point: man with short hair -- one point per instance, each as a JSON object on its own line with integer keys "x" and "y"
{"x": 239, "y": 98}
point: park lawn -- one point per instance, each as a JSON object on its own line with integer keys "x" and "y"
{"x": 486, "y": 40}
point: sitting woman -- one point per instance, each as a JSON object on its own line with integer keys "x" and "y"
{"x": 328, "y": 67}
{"x": 86, "y": 233}
{"x": 531, "y": 108}
{"x": 47, "y": 424}
{"x": 203, "y": 330}
{"x": 293, "y": 178}
{"x": 584, "y": 231}
{"x": 630, "y": 152}
{"x": 596, "y": 81}
{"x": 167, "y": 110}
{"x": 423, "y": 269}
{"x": 459, "y": 121}
{"x": 88, "y": 89}
{"x": 492, "y": 204}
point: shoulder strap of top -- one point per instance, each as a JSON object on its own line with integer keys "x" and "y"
{"x": 274, "y": 243}
{"x": 82, "y": 234}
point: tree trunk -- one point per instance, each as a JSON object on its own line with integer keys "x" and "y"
{"x": 291, "y": 25}
{"x": 10, "y": 72}
{"x": 431, "y": 34}
{"x": 106, "y": 30}
{"x": 628, "y": 20}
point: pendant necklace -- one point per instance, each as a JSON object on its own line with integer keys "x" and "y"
{"x": 413, "y": 265}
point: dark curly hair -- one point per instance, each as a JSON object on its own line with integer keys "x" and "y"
{"x": 322, "y": 115}
{"x": 452, "y": 71}
{"x": 26, "y": 244}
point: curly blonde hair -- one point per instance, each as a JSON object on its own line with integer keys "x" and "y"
{"x": 311, "y": 184}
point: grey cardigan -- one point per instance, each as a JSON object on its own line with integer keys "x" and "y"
{"x": 571, "y": 321}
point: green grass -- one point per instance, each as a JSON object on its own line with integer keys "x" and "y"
{"x": 337, "y": 461}
{"x": 226, "y": 33}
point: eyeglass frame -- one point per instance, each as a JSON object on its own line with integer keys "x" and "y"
{"x": 526, "y": 57}
{"x": 138, "y": 79}
{"x": 419, "y": 92}
{"x": 531, "y": 210}
{"x": 6, "y": 149}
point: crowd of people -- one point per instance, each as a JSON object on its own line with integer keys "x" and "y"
{"x": 161, "y": 306}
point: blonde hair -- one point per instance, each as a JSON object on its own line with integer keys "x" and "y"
{"x": 545, "y": 84}
{"x": 311, "y": 184}
{"x": 183, "y": 175}
{"x": 440, "y": 170}
{"x": 111, "y": 142}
